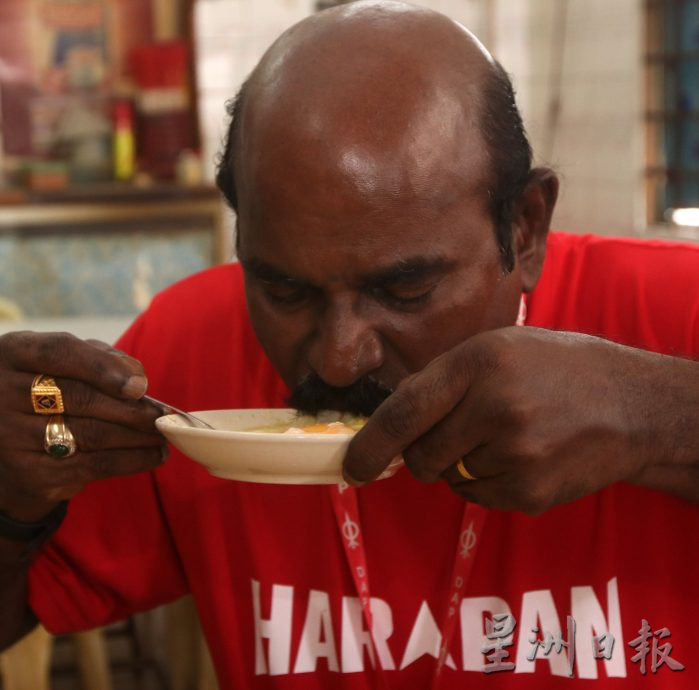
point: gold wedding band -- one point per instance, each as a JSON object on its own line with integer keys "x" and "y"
{"x": 464, "y": 472}
{"x": 59, "y": 441}
{"x": 46, "y": 396}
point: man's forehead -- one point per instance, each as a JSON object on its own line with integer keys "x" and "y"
{"x": 365, "y": 163}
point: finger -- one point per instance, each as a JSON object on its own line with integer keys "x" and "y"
{"x": 414, "y": 408}
{"x": 80, "y": 400}
{"x": 502, "y": 492}
{"x": 476, "y": 463}
{"x": 100, "y": 344}
{"x": 106, "y": 347}
{"x": 116, "y": 463}
{"x": 466, "y": 428}
{"x": 62, "y": 354}
{"x": 517, "y": 489}
{"x": 488, "y": 492}
{"x": 89, "y": 434}
{"x": 85, "y": 467}
{"x": 38, "y": 475}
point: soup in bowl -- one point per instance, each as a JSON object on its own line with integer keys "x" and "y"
{"x": 277, "y": 446}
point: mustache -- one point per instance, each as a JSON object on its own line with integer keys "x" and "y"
{"x": 362, "y": 397}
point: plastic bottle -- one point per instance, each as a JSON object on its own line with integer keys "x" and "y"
{"x": 124, "y": 144}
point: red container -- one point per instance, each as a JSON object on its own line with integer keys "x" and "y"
{"x": 165, "y": 120}
{"x": 161, "y": 65}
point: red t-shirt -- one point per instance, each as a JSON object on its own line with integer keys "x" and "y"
{"x": 266, "y": 565}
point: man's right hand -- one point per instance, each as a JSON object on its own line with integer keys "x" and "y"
{"x": 113, "y": 427}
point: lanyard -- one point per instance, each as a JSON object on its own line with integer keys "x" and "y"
{"x": 346, "y": 509}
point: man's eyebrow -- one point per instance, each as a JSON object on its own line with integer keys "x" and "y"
{"x": 408, "y": 270}
{"x": 264, "y": 271}
{"x": 404, "y": 270}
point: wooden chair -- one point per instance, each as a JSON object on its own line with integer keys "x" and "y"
{"x": 26, "y": 665}
{"x": 189, "y": 659}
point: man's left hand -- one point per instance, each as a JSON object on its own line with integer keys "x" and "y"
{"x": 538, "y": 418}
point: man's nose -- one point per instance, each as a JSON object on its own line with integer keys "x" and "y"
{"x": 345, "y": 345}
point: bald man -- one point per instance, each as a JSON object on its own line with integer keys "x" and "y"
{"x": 389, "y": 224}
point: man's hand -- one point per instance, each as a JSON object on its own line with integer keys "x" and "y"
{"x": 540, "y": 418}
{"x": 114, "y": 429}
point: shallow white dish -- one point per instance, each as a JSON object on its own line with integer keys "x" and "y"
{"x": 232, "y": 452}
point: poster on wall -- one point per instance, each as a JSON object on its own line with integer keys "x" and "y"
{"x": 61, "y": 61}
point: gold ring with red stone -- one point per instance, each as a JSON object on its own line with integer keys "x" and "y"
{"x": 46, "y": 396}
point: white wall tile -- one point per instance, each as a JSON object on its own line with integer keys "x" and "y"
{"x": 218, "y": 17}
{"x": 592, "y": 63}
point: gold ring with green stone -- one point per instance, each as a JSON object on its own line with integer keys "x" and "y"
{"x": 59, "y": 441}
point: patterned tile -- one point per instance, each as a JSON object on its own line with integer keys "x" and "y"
{"x": 105, "y": 274}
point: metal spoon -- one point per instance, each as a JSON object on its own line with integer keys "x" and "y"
{"x": 166, "y": 408}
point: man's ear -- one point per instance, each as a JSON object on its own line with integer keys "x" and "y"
{"x": 530, "y": 226}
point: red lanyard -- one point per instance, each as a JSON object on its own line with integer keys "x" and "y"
{"x": 349, "y": 523}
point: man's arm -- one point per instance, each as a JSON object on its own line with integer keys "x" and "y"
{"x": 113, "y": 428}
{"x": 17, "y": 618}
{"x": 671, "y": 415}
{"x": 540, "y": 418}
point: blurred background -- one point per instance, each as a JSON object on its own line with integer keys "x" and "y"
{"x": 112, "y": 113}
{"x": 111, "y": 116}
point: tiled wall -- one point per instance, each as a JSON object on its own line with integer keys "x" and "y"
{"x": 108, "y": 274}
{"x": 584, "y": 54}
{"x": 232, "y": 35}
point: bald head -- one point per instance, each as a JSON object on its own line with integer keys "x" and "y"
{"x": 376, "y": 101}
{"x": 378, "y": 55}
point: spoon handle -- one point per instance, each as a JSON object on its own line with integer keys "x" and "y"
{"x": 166, "y": 408}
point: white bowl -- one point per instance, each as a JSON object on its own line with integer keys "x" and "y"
{"x": 232, "y": 452}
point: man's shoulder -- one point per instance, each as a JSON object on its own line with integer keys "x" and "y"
{"x": 637, "y": 291}
{"x": 618, "y": 267}
{"x": 217, "y": 287}
{"x": 618, "y": 249}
